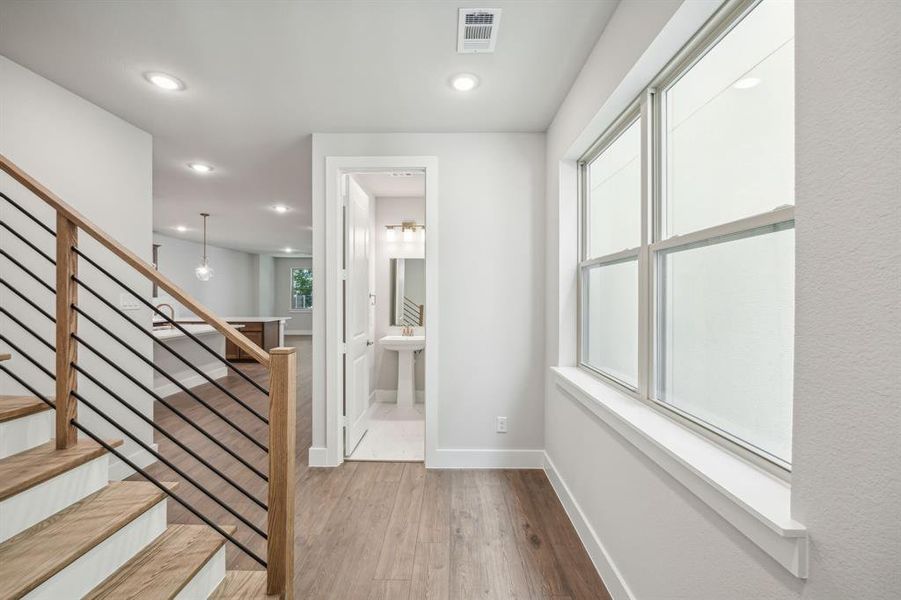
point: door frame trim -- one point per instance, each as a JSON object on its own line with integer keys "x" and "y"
{"x": 335, "y": 167}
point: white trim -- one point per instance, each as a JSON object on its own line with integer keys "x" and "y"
{"x": 755, "y": 502}
{"x": 600, "y": 558}
{"x": 118, "y": 470}
{"x": 298, "y": 332}
{"x": 191, "y": 381}
{"x": 335, "y": 166}
{"x": 487, "y": 458}
{"x": 318, "y": 457}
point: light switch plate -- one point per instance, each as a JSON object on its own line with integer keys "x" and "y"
{"x": 128, "y": 302}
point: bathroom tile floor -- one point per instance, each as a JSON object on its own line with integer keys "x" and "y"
{"x": 395, "y": 434}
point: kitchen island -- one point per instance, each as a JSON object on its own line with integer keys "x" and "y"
{"x": 169, "y": 337}
{"x": 265, "y": 332}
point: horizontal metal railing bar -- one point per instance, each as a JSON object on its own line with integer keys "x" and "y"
{"x": 82, "y": 400}
{"x": 177, "y": 412}
{"x": 172, "y": 379}
{"x": 177, "y": 325}
{"x": 26, "y": 270}
{"x": 150, "y": 478}
{"x": 27, "y": 242}
{"x": 18, "y": 322}
{"x": 27, "y": 300}
{"x": 177, "y": 355}
{"x": 28, "y": 214}
{"x": 168, "y": 435}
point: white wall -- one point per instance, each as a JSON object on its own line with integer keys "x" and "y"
{"x": 392, "y": 211}
{"x": 301, "y": 321}
{"x": 265, "y": 277}
{"x": 232, "y": 291}
{"x": 102, "y": 166}
{"x": 491, "y": 213}
{"x": 661, "y": 540}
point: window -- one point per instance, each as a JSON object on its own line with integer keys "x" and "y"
{"x": 301, "y": 289}
{"x": 687, "y": 263}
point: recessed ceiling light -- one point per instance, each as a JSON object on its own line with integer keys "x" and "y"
{"x": 280, "y": 209}
{"x": 181, "y": 228}
{"x": 289, "y": 250}
{"x": 464, "y": 82}
{"x": 164, "y": 81}
{"x": 200, "y": 167}
{"x": 746, "y": 83}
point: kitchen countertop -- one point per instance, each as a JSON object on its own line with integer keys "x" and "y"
{"x": 171, "y": 333}
{"x": 237, "y": 319}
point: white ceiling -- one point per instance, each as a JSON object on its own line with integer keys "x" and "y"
{"x": 262, "y": 76}
{"x": 385, "y": 185}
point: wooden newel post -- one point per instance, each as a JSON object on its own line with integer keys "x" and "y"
{"x": 66, "y": 325}
{"x": 282, "y": 416}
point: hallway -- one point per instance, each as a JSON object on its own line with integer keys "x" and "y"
{"x": 375, "y": 530}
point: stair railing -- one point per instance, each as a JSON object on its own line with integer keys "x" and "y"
{"x": 280, "y": 364}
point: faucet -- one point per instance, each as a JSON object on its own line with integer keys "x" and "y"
{"x": 171, "y": 313}
{"x": 407, "y": 330}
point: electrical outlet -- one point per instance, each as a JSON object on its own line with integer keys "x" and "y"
{"x": 502, "y": 424}
{"x": 128, "y": 302}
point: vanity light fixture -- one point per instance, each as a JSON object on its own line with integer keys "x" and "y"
{"x": 203, "y": 271}
{"x": 165, "y": 81}
{"x": 201, "y": 168}
{"x": 408, "y": 231}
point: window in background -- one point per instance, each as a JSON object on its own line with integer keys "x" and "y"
{"x": 709, "y": 329}
{"x": 301, "y": 289}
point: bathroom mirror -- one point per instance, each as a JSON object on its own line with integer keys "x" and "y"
{"x": 408, "y": 292}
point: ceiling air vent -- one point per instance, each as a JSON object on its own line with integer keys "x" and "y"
{"x": 477, "y": 30}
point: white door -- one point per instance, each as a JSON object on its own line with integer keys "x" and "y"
{"x": 356, "y": 315}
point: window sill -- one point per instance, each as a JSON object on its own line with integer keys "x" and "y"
{"x": 755, "y": 502}
{"x": 300, "y": 310}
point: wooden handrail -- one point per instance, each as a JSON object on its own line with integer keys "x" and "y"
{"x": 144, "y": 268}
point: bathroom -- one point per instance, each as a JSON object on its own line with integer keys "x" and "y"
{"x": 390, "y": 421}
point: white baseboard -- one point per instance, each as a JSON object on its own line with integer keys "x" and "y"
{"x": 318, "y": 457}
{"x": 486, "y": 459}
{"x": 604, "y": 565}
{"x": 118, "y": 470}
{"x": 190, "y": 381}
{"x": 298, "y": 332}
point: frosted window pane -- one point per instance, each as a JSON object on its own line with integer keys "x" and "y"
{"x": 614, "y": 196}
{"x": 610, "y": 323}
{"x": 725, "y": 336}
{"x": 730, "y": 126}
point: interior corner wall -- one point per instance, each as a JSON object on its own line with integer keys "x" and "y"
{"x": 233, "y": 289}
{"x": 491, "y": 232}
{"x": 102, "y": 167}
{"x": 658, "y": 540}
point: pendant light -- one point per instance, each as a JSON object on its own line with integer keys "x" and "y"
{"x": 203, "y": 272}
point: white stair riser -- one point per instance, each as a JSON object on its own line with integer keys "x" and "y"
{"x": 25, "y": 433}
{"x": 104, "y": 559}
{"x": 207, "y": 579}
{"x": 35, "y": 504}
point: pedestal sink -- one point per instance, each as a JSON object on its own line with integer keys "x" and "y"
{"x": 405, "y": 346}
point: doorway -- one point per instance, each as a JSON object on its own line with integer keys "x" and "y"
{"x": 384, "y": 379}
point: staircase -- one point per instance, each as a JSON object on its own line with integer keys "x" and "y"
{"x": 66, "y": 530}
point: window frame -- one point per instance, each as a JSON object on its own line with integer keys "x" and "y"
{"x": 649, "y": 109}
{"x": 291, "y": 291}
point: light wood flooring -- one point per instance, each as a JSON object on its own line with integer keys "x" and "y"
{"x": 374, "y": 530}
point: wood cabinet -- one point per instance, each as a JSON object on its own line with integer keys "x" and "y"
{"x": 263, "y": 334}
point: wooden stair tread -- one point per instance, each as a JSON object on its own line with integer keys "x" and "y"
{"x": 162, "y": 569}
{"x": 24, "y": 470}
{"x": 242, "y": 585}
{"x": 31, "y": 557}
{"x": 14, "y": 407}
{"x": 4, "y": 356}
